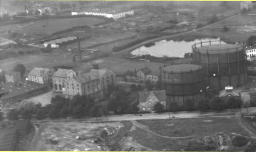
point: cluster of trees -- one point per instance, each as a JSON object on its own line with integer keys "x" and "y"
{"x": 215, "y": 104}
{"x": 118, "y": 101}
{"x": 251, "y": 41}
{"x": 60, "y": 107}
{"x": 123, "y": 101}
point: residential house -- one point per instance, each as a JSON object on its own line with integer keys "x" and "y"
{"x": 60, "y": 77}
{"x": 250, "y": 54}
{"x": 12, "y": 77}
{"x": 145, "y": 74}
{"x": 148, "y": 99}
{"x": 40, "y": 75}
{"x": 152, "y": 78}
{"x": 142, "y": 73}
{"x": 83, "y": 84}
{"x": 106, "y": 76}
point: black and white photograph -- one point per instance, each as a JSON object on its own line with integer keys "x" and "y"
{"x": 113, "y": 75}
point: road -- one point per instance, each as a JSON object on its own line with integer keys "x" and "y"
{"x": 149, "y": 116}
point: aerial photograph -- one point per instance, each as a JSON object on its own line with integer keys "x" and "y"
{"x": 127, "y": 75}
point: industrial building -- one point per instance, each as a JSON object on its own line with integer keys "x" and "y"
{"x": 182, "y": 82}
{"x": 224, "y": 64}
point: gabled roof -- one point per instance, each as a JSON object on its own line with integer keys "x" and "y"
{"x": 232, "y": 93}
{"x": 101, "y": 72}
{"x": 64, "y": 73}
{"x": 145, "y": 70}
{"x": 37, "y": 71}
{"x": 160, "y": 94}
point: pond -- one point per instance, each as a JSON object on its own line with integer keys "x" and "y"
{"x": 170, "y": 48}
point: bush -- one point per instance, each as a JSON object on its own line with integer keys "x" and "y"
{"x": 234, "y": 102}
{"x": 217, "y": 104}
{"x": 239, "y": 141}
{"x": 203, "y": 105}
{"x": 225, "y": 28}
{"x": 158, "y": 108}
{"x": 1, "y": 116}
{"x": 251, "y": 147}
{"x": 174, "y": 107}
{"x": 189, "y": 105}
{"x": 13, "y": 115}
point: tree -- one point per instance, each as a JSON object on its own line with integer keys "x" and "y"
{"x": 13, "y": 115}
{"x": 213, "y": 19}
{"x": 233, "y": 102}
{"x": 217, "y": 104}
{"x": 42, "y": 113}
{"x": 203, "y": 105}
{"x": 225, "y": 28}
{"x": 21, "y": 69}
{"x": 251, "y": 41}
{"x": 251, "y": 147}
{"x": 174, "y": 107}
{"x": 158, "y": 108}
{"x": 189, "y": 105}
{"x": 240, "y": 141}
{"x": 121, "y": 101}
{"x": 1, "y": 116}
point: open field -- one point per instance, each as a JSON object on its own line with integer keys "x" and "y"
{"x": 191, "y": 129}
{"x": 43, "y": 99}
{"x": 42, "y": 60}
{"x": 50, "y": 26}
{"x": 197, "y": 127}
{"x": 159, "y": 134}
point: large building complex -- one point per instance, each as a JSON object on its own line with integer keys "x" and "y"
{"x": 93, "y": 83}
{"x": 40, "y": 75}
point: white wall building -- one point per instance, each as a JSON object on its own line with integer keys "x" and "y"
{"x": 40, "y": 75}
{"x": 251, "y": 54}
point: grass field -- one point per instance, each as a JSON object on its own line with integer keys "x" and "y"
{"x": 142, "y": 134}
{"x": 50, "y": 26}
{"x": 196, "y": 127}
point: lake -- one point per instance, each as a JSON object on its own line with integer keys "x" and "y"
{"x": 170, "y": 48}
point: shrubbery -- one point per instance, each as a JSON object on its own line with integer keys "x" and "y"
{"x": 239, "y": 141}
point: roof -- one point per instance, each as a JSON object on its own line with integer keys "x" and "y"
{"x": 86, "y": 77}
{"x": 39, "y": 71}
{"x": 101, "y": 72}
{"x": 182, "y": 68}
{"x": 145, "y": 70}
{"x": 61, "y": 40}
{"x": 220, "y": 48}
{"x": 160, "y": 94}
{"x": 232, "y": 93}
{"x": 63, "y": 73}
{"x": 93, "y": 74}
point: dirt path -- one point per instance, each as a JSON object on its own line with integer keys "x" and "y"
{"x": 145, "y": 128}
{"x": 245, "y": 126}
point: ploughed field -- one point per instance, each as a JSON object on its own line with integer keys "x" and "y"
{"x": 208, "y": 133}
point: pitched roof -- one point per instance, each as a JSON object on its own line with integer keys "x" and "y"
{"x": 225, "y": 93}
{"x": 145, "y": 70}
{"x": 160, "y": 94}
{"x": 39, "y": 71}
{"x": 101, "y": 72}
{"x": 63, "y": 73}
